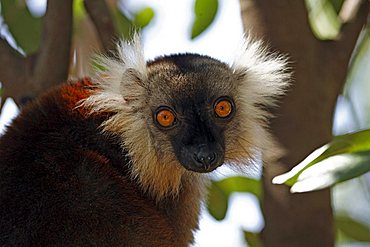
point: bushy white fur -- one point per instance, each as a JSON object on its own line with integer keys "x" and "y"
{"x": 122, "y": 90}
{"x": 115, "y": 83}
{"x": 266, "y": 73}
{"x": 265, "y": 77}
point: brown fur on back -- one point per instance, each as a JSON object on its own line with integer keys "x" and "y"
{"x": 71, "y": 185}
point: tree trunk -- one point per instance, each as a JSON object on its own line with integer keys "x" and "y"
{"x": 304, "y": 118}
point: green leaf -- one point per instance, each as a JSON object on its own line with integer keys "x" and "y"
{"x": 323, "y": 18}
{"x": 124, "y": 25}
{"x": 357, "y": 85}
{"x": 217, "y": 202}
{"x": 240, "y": 184}
{"x": 337, "y": 4}
{"x": 127, "y": 26}
{"x": 79, "y": 11}
{"x": 220, "y": 191}
{"x": 79, "y": 18}
{"x": 252, "y": 239}
{"x": 352, "y": 228}
{"x": 143, "y": 17}
{"x": 24, "y": 27}
{"x": 205, "y": 12}
{"x": 333, "y": 170}
{"x": 346, "y": 157}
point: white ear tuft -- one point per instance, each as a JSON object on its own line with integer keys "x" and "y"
{"x": 265, "y": 74}
{"x": 121, "y": 82}
{"x": 262, "y": 77}
{"x": 131, "y": 54}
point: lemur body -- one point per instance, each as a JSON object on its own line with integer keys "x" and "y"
{"x": 76, "y": 189}
{"x": 119, "y": 160}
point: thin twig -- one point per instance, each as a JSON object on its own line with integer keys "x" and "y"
{"x": 102, "y": 19}
{"x": 52, "y": 62}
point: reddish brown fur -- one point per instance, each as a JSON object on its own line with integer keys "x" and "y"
{"x": 74, "y": 93}
{"x": 64, "y": 183}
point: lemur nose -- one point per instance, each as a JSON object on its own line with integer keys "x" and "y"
{"x": 205, "y": 157}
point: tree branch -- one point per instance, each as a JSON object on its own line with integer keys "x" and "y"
{"x": 102, "y": 19}
{"x": 52, "y": 61}
{"x": 25, "y": 78}
{"x": 302, "y": 123}
{"x": 339, "y": 51}
{"x": 3, "y": 97}
{"x": 261, "y": 17}
{"x": 12, "y": 72}
{"x": 11, "y": 61}
{"x": 352, "y": 28}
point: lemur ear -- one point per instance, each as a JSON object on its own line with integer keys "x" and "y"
{"x": 263, "y": 75}
{"x": 131, "y": 58}
{"x": 122, "y": 79}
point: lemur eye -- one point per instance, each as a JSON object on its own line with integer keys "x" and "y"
{"x": 223, "y": 107}
{"x": 165, "y": 117}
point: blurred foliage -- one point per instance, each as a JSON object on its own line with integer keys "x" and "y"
{"x": 357, "y": 89}
{"x": 78, "y": 11}
{"x": 252, "y": 239}
{"x": 337, "y": 4}
{"x": 345, "y": 157}
{"x": 205, "y": 12}
{"x": 323, "y": 17}
{"x": 218, "y": 199}
{"x": 25, "y": 28}
{"x": 127, "y": 24}
{"x": 143, "y": 17}
{"x": 352, "y": 229}
{"x": 220, "y": 191}
{"x": 361, "y": 56}
{"x": 123, "y": 23}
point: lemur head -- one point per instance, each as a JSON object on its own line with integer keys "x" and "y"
{"x": 179, "y": 116}
{"x": 191, "y": 99}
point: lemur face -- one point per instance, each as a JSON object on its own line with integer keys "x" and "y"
{"x": 192, "y": 105}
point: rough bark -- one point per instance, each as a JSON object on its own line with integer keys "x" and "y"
{"x": 24, "y": 78}
{"x": 304, "y": 118}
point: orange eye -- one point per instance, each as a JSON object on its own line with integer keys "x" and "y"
{"x": 223, "y": 108}
{"x": 165, "y": 118}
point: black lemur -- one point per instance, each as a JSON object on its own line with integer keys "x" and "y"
{"x": 120, "y": 159}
